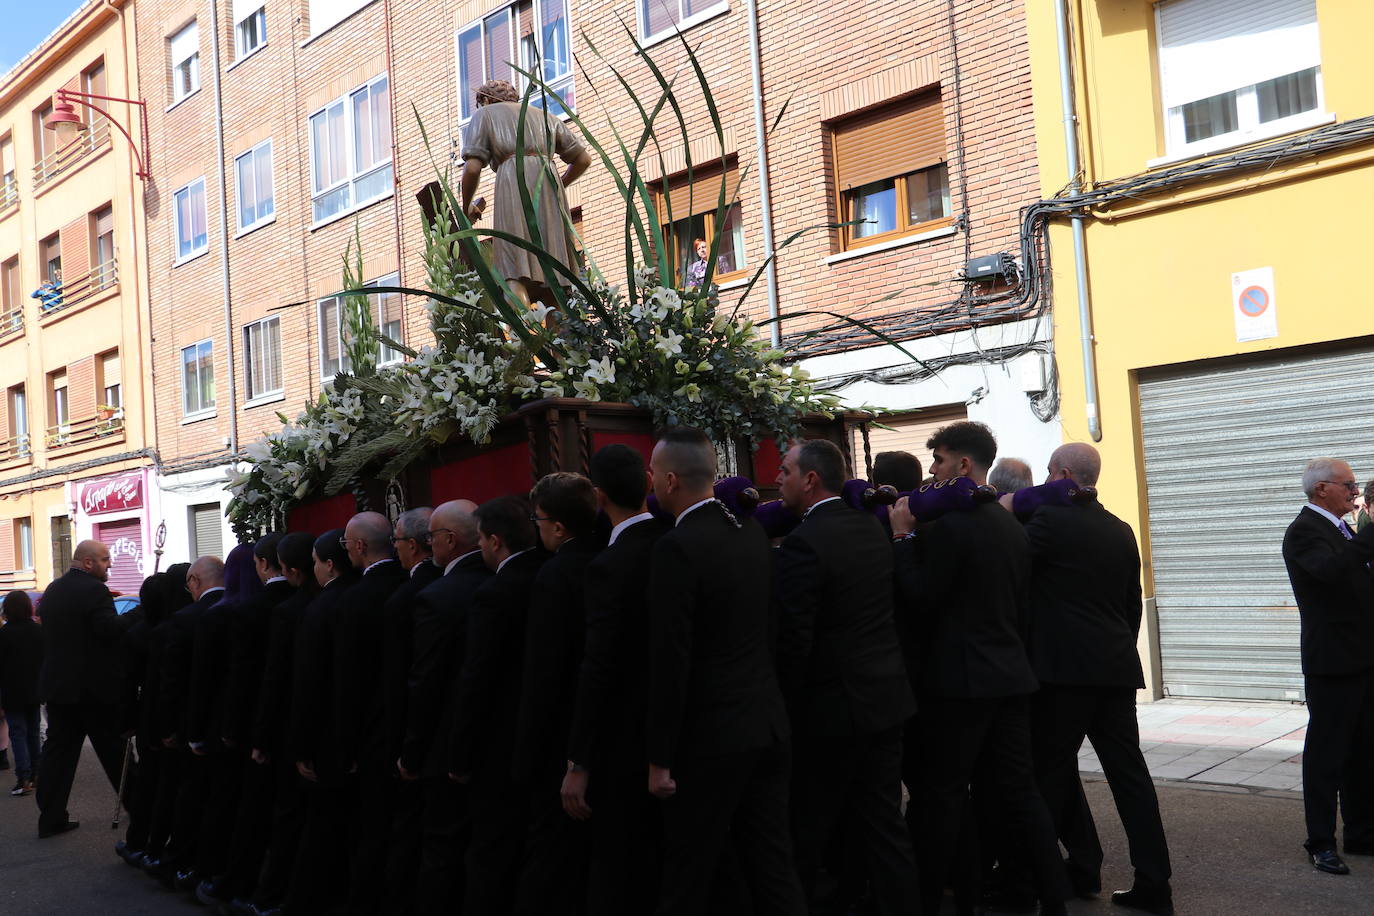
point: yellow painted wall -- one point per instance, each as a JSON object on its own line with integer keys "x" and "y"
{"x": 1160, "y": 271}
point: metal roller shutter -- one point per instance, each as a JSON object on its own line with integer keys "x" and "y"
{"x": 908, "y": 433}
{"x": 125, "y": 541}
{"x": 206, "y": 532}
{"x": 1224, "y": 450}
{"x": 889, "y": 141}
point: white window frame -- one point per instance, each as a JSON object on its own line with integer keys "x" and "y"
{"x": 560, "y": 84}
{"x": 24, "y": 542}
{"x": 19, "y": 419}
{"x": 266, "y": 145}
{"x": 343, "y": 9}
{"x": 177, "y": 227}
{"x": 1249, "y": 129}
{"x": 352, "y": 177}
{"x": 682, "y": 25}
{"x": 254, "y": 11}
{"x": 252, "y": 396}
{"x": 191, "y": 62}
{"x": 385, "y": 355}
{"x": 203, "y": 409}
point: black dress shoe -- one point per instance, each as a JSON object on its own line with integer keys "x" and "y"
{"x": 1328, "y": 861}
{"x": 186, "y": 880}
{"x": 1159, "y": 901}
{"x": 45, "y": 832}
{"x": 130, "y": 856}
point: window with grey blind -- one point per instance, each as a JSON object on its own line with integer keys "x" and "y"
{"x": 262, "y": 354}
{"x": 207, "y": 531}
{"x": 1234, "y": 69}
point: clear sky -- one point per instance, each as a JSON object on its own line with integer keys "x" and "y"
{"x": 26, "y": 23}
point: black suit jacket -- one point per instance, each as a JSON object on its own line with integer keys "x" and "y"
{"x": 149, "y": 698}
{"x": 839, "y": 662}
{"x": 1335, "y": 592}
{"x": 554, "y": 635}
{"x": 442, "y": 611}
{"x": 963, "y": 585}
{"x": 613, "y": 683}
{"x": 210, "y": 674}
{"x": 712, "y": 687}
{"x": 398, "y": 644}
{"x": 21, "y": 660}
{"x": 312, "y": 732}
{"x": 273, "y": 711}
{"x": 249, "y": 628}
{"x": 81, "y": 631}
{"x": 488, "y": 700}
{"x": 1085, "y": 597}
{"x": 174, "y": 688}
{"x": 358, "y": 661}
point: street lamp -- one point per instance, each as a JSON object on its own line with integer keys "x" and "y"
{"x": 66, "y": 123}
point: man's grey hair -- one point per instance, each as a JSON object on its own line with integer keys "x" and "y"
{"x": 1317, "y": 470}
{"x": 414, "y": 523}
{"x": 1010, "y": 475}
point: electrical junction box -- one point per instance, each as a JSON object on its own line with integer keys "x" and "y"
{"x": 990, "y": 267}
{"x": 1031, "y": 374}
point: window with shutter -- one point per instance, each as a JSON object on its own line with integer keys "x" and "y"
{"x": 184, "y": 50}
{"x": 890, "y": 173}
{"x": 1231, "y": 71}
{"x": 250, "y": 27}
{"x": 535, "y": 35}
{"x": 262, "y": 353}
{"x": 660, "y": 18}
{"x": 9, "y": 184}
{"x": 695, "y": 220}
{"x": 207, "y": 538}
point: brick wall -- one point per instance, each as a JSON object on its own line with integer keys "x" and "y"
{"x": 820, "y": 60}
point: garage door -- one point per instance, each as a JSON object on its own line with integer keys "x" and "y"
{"x": 125, "y": 540}
{"x": 1224, "y": 451}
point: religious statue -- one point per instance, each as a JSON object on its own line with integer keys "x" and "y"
{"x": 490, "y": 140}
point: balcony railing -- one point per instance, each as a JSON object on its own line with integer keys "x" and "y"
{"x": 63, "y": 158}
{"x": 9, "y": 192}
{"x": 11, "y": 321}
{"x": 105, "y": 423}
{"x": 56, "y": 297}
{"x": 15, "y": 447}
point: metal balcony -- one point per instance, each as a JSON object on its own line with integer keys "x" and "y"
{"x": 64, "y": 158}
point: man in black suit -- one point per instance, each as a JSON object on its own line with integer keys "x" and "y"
{"x": 963, "y": 583}
{"x": 1085, "y": 609}
{"x": 482, "y": 743}
{"x": 604, "y": 783}
{"x": 205, "y": 582}
{"x": 79, "y": 681}
{"x": 442, "y": 611}
{"x": 552, "y": 879}
{"x": 358, "y": 703}
{"x": 1328, "y": 566}
{"x": 841, "y": 671}
{"x": 717, "y": 728}
{"x": 411, "y": 540}
{"x": 249, "y": 632}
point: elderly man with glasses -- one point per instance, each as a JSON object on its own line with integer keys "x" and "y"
{"x": 1328, "y": 565}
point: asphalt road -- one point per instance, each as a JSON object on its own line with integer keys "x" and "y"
{"x": 1234, "y": 852}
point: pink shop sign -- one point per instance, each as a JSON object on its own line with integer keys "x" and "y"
{"x": 111, "y": 494}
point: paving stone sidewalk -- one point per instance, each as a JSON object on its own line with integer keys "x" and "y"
{"x": 1255, "y": 745}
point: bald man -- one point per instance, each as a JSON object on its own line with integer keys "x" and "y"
{"x": 358, "y": 668}
{"x": 1085, "y": 614}
{"x": 80, "y": 681}
{"x": 442, "y": 611}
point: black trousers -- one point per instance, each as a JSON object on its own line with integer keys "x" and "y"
{"x": 372, "y": 836}
{"x": 181, "y": 848}
{"x": 553, "y": 868}
{"x": 987, "y": 741}
{"x": 251, "y": 830}
{"x": 740, "y": 799}
{"x": 626, "y": 840}
{"x": 321, "y": 874}
{"x": 445, "y": 830}
{"x": 288, "y": 823}
{"x": 223, "y": 781}
{"x": 69, "y": 725}
{"x": 139, "y": 801}
{"x": 1336, "y": 757}
{"x": 1062, "y": 717}
{"x": 499, "y": 816}
{"x": 858, "y": 777}
{"x": 170, "y": 765}
{"x": 403, "y": 854}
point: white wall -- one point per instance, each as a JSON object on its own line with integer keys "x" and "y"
{"x": 1004, "y": 405}
{"x": 177, "y": 493}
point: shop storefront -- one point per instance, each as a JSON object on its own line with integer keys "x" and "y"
{"x": 115, "y": 510}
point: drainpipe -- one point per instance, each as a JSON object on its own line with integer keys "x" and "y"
{"x": 224, "y": 233}
{"x": 761, "y": 143}
{"x": 1080, "y": 254}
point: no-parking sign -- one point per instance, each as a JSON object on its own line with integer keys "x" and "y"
{"x": 1252, "y": 302}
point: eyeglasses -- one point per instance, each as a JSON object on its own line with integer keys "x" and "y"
{"x": 396, "y": 540}
{"x": 434, "y": 531}
{"x": 1350, "y": 485}
{"x": 343, "y": 542}
{"x": 540, "y": 518}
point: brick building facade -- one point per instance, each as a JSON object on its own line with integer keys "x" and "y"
{"x": 283, "y": 130}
